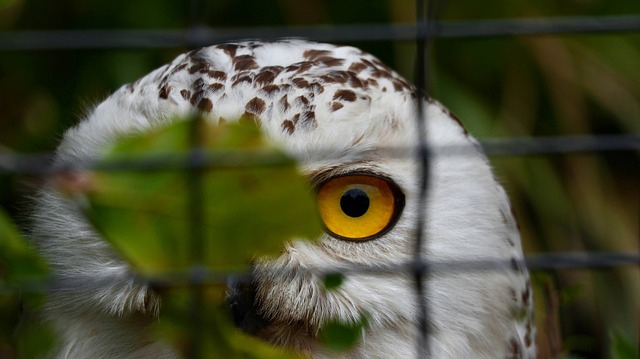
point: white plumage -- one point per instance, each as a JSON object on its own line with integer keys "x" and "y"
{"x": 347, "y": 104}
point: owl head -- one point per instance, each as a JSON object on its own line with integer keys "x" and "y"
{"x": 351, "y": 122}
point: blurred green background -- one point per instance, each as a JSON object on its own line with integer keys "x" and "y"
{"x": 499, "y": 87}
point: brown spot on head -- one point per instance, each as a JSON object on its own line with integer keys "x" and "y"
{"x": 527, "y": 336}
{"x": 397, "y": 86}
{"x": 514, "y": 352}
{"x": 288, "y": 126}
{"x": 216, "y": 87}
{"x": 299, "y": 67}
{"x": 242, "y": 79}
{"x": 313, "y": 55}
{"x": 344, "y": 95}
{"x": 357, "y": 67}
{"x": 335, "y": 106}
{"x": 300, "y": 82}
{"x": 218, "y": 75}
{"x": 244, "y": 62}
{"x": 255, "y": 106}
{"x": 165, "y": 91}
{"x": 265, "y": 77}
{"x": 199, "y": 67}
{"x": 308, "y": 119}
{"x": 196, "y": 97}
{"x": 301, "y": 101}
{"x": 229, "y": 49}
{"x": 339, "y": 77}
{"x": 205, "y": 105}
{"x": 269, "y": 89}
{"x": 316, "y": 87}
{"x": 322, "y": 57}
{"x": 284, "y": 103}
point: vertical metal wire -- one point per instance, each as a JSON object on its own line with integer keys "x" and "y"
{"x": 420, "y": 272}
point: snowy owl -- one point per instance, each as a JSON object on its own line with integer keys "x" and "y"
{"x": 307, "y": 96}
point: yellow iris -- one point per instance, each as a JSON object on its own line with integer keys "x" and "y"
{"x": 359, "y": 206}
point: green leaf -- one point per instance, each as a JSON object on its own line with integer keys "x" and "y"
{"x": 20, "y": 268}
{"x": 622, "y": 347}
{"x": 245, "y": 207}
{"x": 248, "y": 208}
{"x": 19, "y": 262}
{"x": 340, "y": 336}
{"x": 332, "y": 281}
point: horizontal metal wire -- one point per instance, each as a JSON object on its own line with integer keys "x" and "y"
{"x": 41, "y": 164}
{"x": 207, "y": 276}
{"x": 203, "y": 36}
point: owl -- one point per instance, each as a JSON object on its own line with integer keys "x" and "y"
{"x": 339, "y": 111}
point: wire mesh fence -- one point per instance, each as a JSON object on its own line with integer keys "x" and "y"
{"x": 426, "y": 28}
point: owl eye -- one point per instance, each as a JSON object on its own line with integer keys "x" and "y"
{"x": 359, "y": 206}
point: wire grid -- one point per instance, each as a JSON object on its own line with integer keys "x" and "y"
{"x": 423, "y": 31}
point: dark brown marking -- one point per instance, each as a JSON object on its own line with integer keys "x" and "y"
{"x": 246, "y": 79}
{"x": 299, "y": 67}
{"x": 265, "y": 77}
{"x": 229, "y": 49}
{"x": 185, "y": 94}
{"x": 244, "y": 62}
{"x": 216, "y": 87}
{"x": 288, "y": 126}
{"x": 309, "y": 119}
{"x": 300, "y": 82}
{"x": 269, "y": 89}
{"x": 340, "y": 77}
{"x": 355, "y": 80}
{"x": 515, "y": 351}
{"x": 335, "y": 106}
{"x": 165, "y": 91}
{"x": 397, "y": 86}
{"x": 218, "y": 75}
{"x": 316, "y": 87}
{"x": 345, "y": 95}
{"x": 284, "y": 103}
{"x": 357, "y": 67}
{"x": 313, "y": 55}
{"x": 329, "y": 61}
{"x": 301, "y": 101}
{"x": 199, "y": 67}
{"x": 205, "y": 105}
{"x": 198, "y": 84}
{"x": 255, "y": 106}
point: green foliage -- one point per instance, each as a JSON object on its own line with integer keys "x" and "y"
{"x": 622, "y": 347}
{"x": 333, "y": 280}
{"x": 340, "y": 336}
{"x": 21, "y": 269}
{"x": 248, "y": 209}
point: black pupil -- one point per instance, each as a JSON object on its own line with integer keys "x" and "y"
{"x": 354, "y": 202}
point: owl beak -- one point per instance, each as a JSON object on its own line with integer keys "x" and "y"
{"x": 241, "y": 300}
